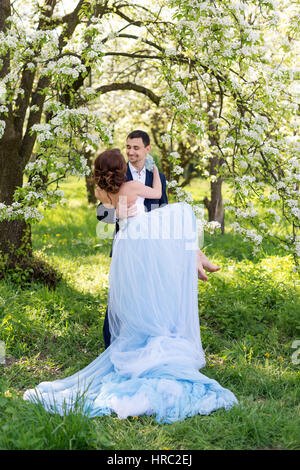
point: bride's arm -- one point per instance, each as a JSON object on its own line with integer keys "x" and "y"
{"x": 146, "y": 191}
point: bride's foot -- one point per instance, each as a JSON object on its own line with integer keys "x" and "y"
{"x": 204, "y": 263}
{"x": 201, "y": 273}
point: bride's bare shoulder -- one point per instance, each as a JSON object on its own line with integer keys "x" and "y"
{"x": 128, "y": 186}
{"x": 129, "y": 190}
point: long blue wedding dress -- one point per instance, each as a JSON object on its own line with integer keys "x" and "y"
{"x": 152, "y": 365}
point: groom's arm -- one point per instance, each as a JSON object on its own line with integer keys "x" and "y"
{"x": 155, "y": 204}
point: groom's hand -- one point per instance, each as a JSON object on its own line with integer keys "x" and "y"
{"x": 124, "y": 211}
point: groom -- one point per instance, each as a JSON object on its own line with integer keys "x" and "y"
{"x": 137, "y": 148}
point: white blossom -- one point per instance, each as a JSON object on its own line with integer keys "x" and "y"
{"x": 166, "y": 138}
{"x": 274, "y": 197}
{"x": 172, "y": 184}
{"x": 2, "y": 90}
{"x": 178, "y": 170}
{"x": 170, "y": 51}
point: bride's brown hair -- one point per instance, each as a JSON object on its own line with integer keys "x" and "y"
{"x": 110, "y": 170}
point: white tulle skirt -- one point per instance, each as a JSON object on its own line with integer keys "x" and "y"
{"x": 152, "y": 365}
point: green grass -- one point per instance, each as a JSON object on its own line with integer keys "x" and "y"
{"x": 249, "y": 316}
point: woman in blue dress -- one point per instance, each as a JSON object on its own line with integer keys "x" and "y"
{"x": 152, "y": 365}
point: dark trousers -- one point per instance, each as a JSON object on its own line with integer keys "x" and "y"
{"x": 106, "y": 332}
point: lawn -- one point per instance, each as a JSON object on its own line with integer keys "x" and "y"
{"x": 249, "y": 317}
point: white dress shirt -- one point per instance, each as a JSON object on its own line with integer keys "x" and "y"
{"x": 138, "y": 175}
{"x": 141, "y": 177}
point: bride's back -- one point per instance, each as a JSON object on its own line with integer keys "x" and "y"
{"x": 128, "y": 196}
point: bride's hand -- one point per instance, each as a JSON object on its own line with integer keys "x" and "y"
{"x": 155, "y": 169}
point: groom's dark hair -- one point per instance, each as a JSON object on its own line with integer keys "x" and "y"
{"x": 140, "y": 134}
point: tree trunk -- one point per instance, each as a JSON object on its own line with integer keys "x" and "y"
{"x": 89, "y": 179}
{"x": 165, "y": 163}
{"x": 15, "y": 235}
{"x": 215, "y": 205}
{"x": 90, "y": 189}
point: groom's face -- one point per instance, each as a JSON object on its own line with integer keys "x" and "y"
{"x": 136, "y": 151}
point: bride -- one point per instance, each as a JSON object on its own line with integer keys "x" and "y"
{"x": 152, "y": 365}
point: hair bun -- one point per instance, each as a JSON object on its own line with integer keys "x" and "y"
{"x": 110, "y": 170}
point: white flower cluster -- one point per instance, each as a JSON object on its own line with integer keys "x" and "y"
{"x": 180, "y": 88}
{"x": 274, "y": 197}
{"x": 178, "y": 170}
{"x": 43, "y": 131}
{"x": 174, "y": 156}
{"x": 169, "y": 98}
{"x": 166, "y": 138}
{"x": 199, "y": 211}
{"x": 89, "y": 91}
{"x": 172, "y": 184}
{"x": 297, "y": 247}
{"x": 95, "y": 28}
{"x": 184, "y": 195}
{"x": 97, "y": 45}
{"x": 293, "y": 205}
{"x": 16, "y": 211}
{"x": 199, "y": 124}
{"x": 170, "y": 51}
{"x": 2, "y": 90}
{"x": 244, "y": 214}
{"x": 249, "y": 235}
{"x": 212, "y": 227}
{"x": 82, "y": 169}
{"x": 65, "y": 66}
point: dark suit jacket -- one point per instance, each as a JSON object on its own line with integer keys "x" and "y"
{"x": 108, "y": 215}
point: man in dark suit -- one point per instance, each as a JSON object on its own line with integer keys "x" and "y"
{"x": 137, "y": 148}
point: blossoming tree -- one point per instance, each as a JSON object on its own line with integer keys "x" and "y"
{"x": 240, "y": 58}
{"x": 46, "y": 124}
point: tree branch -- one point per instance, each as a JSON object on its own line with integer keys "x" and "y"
{"x": 150, "y": 43}
{"x": 38, "y": 99}
{"x": 133, "y": 55}
{"x": 130, "y": 86}
{"x": 71, "y": 20}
